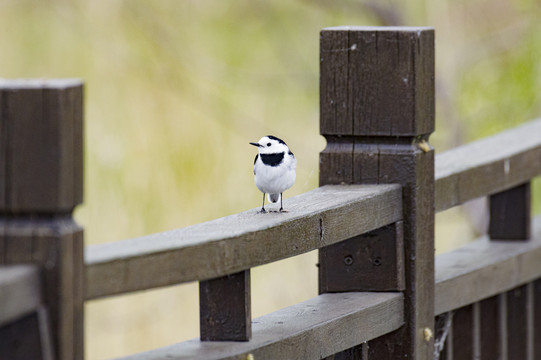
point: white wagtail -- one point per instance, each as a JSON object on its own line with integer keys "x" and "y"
{"x": 274, "y": 169}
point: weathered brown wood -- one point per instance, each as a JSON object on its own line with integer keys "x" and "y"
{"x": 516, "y": 324}
{"x": 40, "y": 120}
{"x": 484, "y": 268}
{"x": 377, "y": 117}
{"x": 313, "y": 329}
{"x": 22, "y": 339}
{"x": 20, "y": 292}
{"x": 42, "y": 169}
{"x": 463, "y": 333}
{"x": 537, "y": 318}
{"x": 51, "y": 242}
{"x": 368, "y": 87}
{"x": 373, "y": 261}
{"x": 315, "y": 219}
{"x": 225, "y": 308}
{"x": 510, "y": 214}
{"x": 490, "y": 336}
{"x": 488, "y": 166}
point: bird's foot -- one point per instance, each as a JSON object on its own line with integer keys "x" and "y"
{"x": 283, "y": 210}
{"x": 263, "y": 211}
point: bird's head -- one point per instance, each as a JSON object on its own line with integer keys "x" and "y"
{"x": 270, "y": 145}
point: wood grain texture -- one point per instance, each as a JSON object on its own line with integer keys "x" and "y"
{"x": 41, "y": 123}
{"x": 463, "y": 333}
{"x": 373, "y": 261}
{"x": 490, "y": 329}
{"x": 225, "y": 308}
{"x": 488, "y": 166}
{"x": 313, "y": 329}
{"x": 315, "y": 219}
{"x": 52, "y": 243}
{"x": 510, "y": 214}
{"x": 484, "y": 268}
{"x": 537, "y": 318}
{"x": 384, "y": 104}
{"x": 20, "y": 291}
{"x": 516, "y": 323}
{"x": 371, "y": 78}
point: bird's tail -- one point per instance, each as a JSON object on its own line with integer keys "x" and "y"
{"x": 273, "y": 197}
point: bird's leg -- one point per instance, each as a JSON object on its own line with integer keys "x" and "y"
{"x": 281, "y": 204}
{"x": 263, "y": 205}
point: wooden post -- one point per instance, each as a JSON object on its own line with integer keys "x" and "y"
{"x": 40, "y": 185}
{"x": 510, "y": 214}
{"x": 377, "y": 112}
{"x": 225, "y": 308}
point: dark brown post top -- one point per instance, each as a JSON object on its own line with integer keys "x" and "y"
{"x": 41, "y": 135}
{"x": 377, "y": 81}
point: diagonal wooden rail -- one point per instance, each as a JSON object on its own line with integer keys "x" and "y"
{"x": 313, "y": 329}
{"x": 223, "y": 246}
{"x": 489, "y": 165}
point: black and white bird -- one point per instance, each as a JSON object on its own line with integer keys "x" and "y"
{"x": 274, "y": 169}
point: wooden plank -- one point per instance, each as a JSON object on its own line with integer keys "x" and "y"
{"x": 490, "y": 328}
{"x": 370, "y": 262}
{"x": 516, "y": 324}
{"x": 225, "y": 308}
{"x": 537, "y": 318}
{"x": 488, "y": 166}
{"x": 78, "y": 280}
{"x": 510, "y": 214}
{"x": 20, "y": 292}
{"x": 315, "y": 219}
{"x": 313, "y": 329}
{"x": 4, "y": 149}
{"x": 484, "y": 268}
{"x": 21, "y": 340}
{"x": 463, "y": 333}
{"x": 389, "y": 100}
{"x": 333, "y": 84}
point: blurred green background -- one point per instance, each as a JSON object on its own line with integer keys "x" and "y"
{"x": 175, "y": 90}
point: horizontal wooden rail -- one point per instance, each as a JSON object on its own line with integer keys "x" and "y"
{"x": 485, "y": 268}
{"x": 20, "y": 291}
{"x": 488, "y": 166}
{"x": 313, "y": 329}
{"x": 227, "y": 245}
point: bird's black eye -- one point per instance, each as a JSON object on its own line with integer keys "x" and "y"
{"x": 268, "y": 144}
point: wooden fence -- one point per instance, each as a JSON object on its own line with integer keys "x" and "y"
{"x": 383, "y": 293}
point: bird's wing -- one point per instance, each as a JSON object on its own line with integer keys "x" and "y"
{"x": 255, "y": 162}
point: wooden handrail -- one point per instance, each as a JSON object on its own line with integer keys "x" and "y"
{"x": 484, "y": 268}
{"x": 313, "y": 329}
{"x": 488, "y": 166}
{"x": 223, "y": 246}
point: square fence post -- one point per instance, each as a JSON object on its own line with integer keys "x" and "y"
{"x": 510, "y": 216}
{"x": 377, "y": 113}
{"x": 41, "y": 182}
{"x": 225, "y": 308}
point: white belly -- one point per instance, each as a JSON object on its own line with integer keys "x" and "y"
{"x": 274, "y": 179}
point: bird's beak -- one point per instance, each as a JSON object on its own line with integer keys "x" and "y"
{"x": 255, "y": 144}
